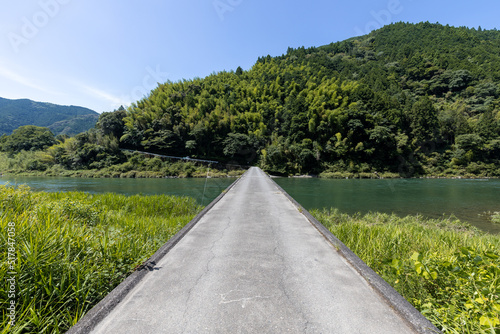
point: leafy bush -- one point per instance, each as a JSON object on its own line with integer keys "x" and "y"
{"x": 463, "y": 288}
{"x": 496, "y": 217}
{"x": 89, "y": 214}
{"x": 28, "y": 137}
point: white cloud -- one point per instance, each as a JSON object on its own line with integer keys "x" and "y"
{"x": 98, "y": 94}
{"x": 104, "y": 95}
{"x": 16, "y": 77}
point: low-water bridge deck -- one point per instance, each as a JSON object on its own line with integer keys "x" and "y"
{"x": 254, "y": 262}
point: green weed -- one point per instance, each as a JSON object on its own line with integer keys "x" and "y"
{"x": 447, "y": 269}
{"x": 72, "y": 249}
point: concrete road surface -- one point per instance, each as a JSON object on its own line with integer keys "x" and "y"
{"x": 253, "y": 264}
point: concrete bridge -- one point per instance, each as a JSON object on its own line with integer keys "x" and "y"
{"x": 254, "y": 261}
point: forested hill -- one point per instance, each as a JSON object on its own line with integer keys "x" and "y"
{"x": 68, "y": 120}
{"x": 403, "y": 98}
{"x": 411, "y": 99}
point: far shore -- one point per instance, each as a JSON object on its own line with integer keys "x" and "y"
{"x": 214, "y": 173}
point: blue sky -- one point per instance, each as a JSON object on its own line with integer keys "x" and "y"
{"x": 100, "y": 54}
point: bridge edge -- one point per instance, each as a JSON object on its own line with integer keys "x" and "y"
{"x": 97, "y": 313}
{"x": 397, "y": 302}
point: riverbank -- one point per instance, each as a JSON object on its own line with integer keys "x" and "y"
{"x": 449, "y": 270}
{"x": 38, "y": 163}
{"x": 137, "y": 165}
{"x": 69, "y": 250}
{"x": 452, "y": 174}
{"x": 383, "y": 176}
{"x": 215, "y": 173}
{"x": 96, "y": 173}
{"x": 73, "y": 248}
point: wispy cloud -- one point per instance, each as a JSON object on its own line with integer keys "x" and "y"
{"x": 18, "y": 78}
{"x": 100, "y": 94}
{"x": 105, "y": 95}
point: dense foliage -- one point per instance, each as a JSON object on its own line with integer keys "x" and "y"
{"x": 68, "y": 120}
{"x": 448, "y": 270}
{"x": 28, "y": 138}
{"x": 408, "y": 99}
{"x": 72, "y": 249}
{"x": 32, "y": 148}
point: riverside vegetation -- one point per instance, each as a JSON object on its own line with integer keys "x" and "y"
{"x": 74, "y": 248}
{"x": 136, "y": 165}
{"x": 450, "y": 271}
{"x": 405, "y": 100}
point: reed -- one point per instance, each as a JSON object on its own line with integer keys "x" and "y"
{"x": 73, "y": 248}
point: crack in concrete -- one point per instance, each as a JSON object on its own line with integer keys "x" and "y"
{"x": 306, "y": 327}
{"x": 284, "y": 269}
{"x": 205, "y": 272}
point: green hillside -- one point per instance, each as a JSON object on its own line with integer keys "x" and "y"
{"x": 405, "y": 100}
{"x": 408, "y": 98}
{"x": 16, "y": 113}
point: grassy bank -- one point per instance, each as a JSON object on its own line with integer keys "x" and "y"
{"x": 358, "y": 175}
{"x": 39, "y": 163}
{"x": 135, "y": 165}
{"x": 448, "y": 270}
{"x": 72, "y": 249}
{"x": 473, "y": 171}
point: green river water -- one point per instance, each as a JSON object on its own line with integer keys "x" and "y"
{"x": 468, "y": 200}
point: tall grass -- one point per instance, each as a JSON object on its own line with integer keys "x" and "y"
{"x": 74, "y": 248}
{"x": 448, "y": 270}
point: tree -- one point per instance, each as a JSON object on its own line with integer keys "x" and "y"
{"x": 382, "y": 138}
{"x": 423, "y": 121}
{"x": 487, "y": 126}
{"x": 469, "y": 142}
{"x": 111, "y": 123}
{"x": 241, "y": 147}
{"x": 459, "y": 79}
{"x": 28, "y": 137}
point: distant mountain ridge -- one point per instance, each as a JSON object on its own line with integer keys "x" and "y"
{"x": 60, "y": 119}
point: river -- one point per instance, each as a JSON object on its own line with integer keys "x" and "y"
{"x": 468, "y": 200}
